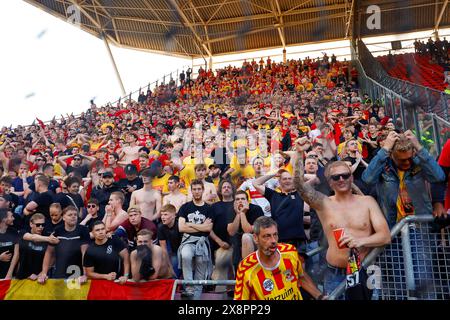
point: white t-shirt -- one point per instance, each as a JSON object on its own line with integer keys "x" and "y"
{"x": 257, "y": 198}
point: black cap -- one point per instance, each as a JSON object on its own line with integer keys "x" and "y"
{"x": 130, "y": 169}
{"x": 108, "y": 174}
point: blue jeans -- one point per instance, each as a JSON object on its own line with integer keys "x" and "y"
{"x": 333, "y": 278}
{"x": 422, "y": 243}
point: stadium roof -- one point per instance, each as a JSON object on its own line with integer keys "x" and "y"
{"x": 198, "y": 28}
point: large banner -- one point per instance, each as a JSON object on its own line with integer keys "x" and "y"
{"x": 60, "y": 289}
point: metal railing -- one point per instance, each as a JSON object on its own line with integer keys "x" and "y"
{"x": 311, "y": 253}
{"x": 416, "y": 265}
{"x": 431, "y": 128}
{"x": 430, "y": 100}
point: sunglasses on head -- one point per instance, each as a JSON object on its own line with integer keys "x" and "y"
{"x": 337, "y": 177}
{"x": 39, "y": 225}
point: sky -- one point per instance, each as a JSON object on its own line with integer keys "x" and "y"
{"x": 49, "y": 67}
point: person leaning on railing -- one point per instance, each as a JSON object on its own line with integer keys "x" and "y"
{"x": 400, "y": 171}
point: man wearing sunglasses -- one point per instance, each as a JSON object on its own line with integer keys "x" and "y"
{"x": 32, "y": 247}
{"x": 401, "y": 172}
{"x": 360, "y": 216}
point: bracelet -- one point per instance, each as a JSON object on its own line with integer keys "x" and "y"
{"x": 126, "y": 275}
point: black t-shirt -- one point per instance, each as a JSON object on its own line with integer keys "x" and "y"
{"x": 91, "y": 222}
{"x": 105, "y": 258}
{"x": 124, "y": 184}
{"x": 253, "y": 213}
{"x": 172, "y": 236}
{"x": 222, "y": 210}
{"x": 7, "y": 242}
{"x": 50, "y": 227}
{"x": 197, "y": 215}
{"x": 69, "y": 199}
{"x": 68, "y": 250}
{"x": 287, "y": 211}
{"x": 31, "y": 256}
{"x": 52, "y": 186}
{"x": 43, "y": 201}
{"x": 82, "y": 170}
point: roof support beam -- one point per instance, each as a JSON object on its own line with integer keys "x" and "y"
{"x": 165, "y": 26}
{"x": 277, "y": 13}
{"x": 284, "y": 14}
{"x": 349, "y": 19}
{"x": 215, "y": 12}
{"x": 288, "y": 24}
{"x": 438, "y": 21}
{"x": 189, "y": 25}
{"x": 109, "y": 17}
{"x": 94, "y": 22}
{"x": 159, "y": 22}
{"x": 297, "y": 6}
{"x": 204, "y": 26}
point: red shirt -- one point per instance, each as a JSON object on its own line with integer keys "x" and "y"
{"x": 119, "y": 173}
{"x": 444, "y": 160}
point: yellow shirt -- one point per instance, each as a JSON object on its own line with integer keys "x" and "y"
{"x": 254, "y": 282}
{"x": 341, "y": 146}
{"x": 251, "y": 154}
{"x": 404, "y": 203}
{"x": 161, "y": 183}
{"x": 241, "y": 173}
{"x": 192, "y": 161}
{"x": 187, "y": 174}
{"x": 103, "y": 126}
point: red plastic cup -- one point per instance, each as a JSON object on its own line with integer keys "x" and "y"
{"x": 338, "y": 234}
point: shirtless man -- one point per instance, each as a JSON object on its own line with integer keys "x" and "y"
{"x": 148, "y": 199}
{"x": 156, "y": 266}
{"x": 130, "y": 152}
{"x": 364, "y": 224}
{"x": 175, "y": 197}
{"x": 114, "y": 214}
{"x": 210, "y": 193}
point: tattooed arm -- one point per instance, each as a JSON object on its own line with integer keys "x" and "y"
{"x": 311, "y": 196}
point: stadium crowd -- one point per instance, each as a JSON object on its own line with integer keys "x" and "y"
{"x": 169, "y": 186}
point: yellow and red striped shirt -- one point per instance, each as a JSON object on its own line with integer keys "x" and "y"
{"x": 255, "y": 282}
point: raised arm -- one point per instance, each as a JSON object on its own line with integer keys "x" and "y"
{"x": 259, "y": 182}
{"x": 311, "y": 196}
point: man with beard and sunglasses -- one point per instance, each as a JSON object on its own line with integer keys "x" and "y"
{"x": 360, "y": 217}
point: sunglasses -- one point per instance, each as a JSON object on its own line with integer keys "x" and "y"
{"x": 91, "y": 206}
{"x": 40, "y": 160}
{"x": 337, "y": 177}
{"x": 39, "y": 225}
{"x": 76, "y": 159}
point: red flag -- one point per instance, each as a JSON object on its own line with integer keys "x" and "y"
{"x": 41, "y": 123}
{"x": 151, "y": 290}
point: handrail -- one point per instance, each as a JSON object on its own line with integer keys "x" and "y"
{"x": 368, "y": 260}
{"x": 433, "y": 100}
